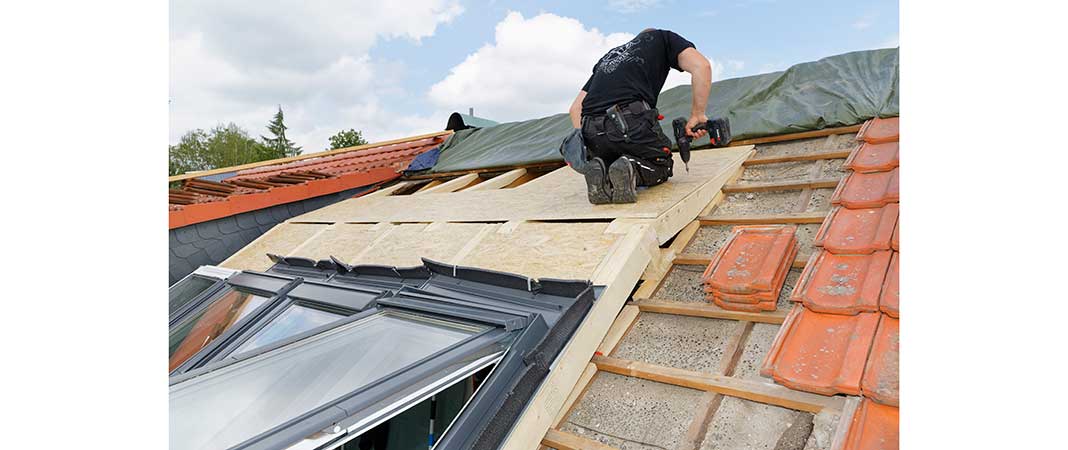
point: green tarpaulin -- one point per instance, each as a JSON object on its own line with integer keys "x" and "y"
{"x": 836, "y": 91}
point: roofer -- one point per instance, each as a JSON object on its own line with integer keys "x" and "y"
{"x": 616, "y": 113}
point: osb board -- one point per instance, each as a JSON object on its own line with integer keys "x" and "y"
{"x": 559, "y": 195}
{"x": 343, "y": 241}
{"x": 544, "y": 250}
{"x": 624, "y": 265}
{"x": 403, "y": 245}
{"x": 280, "y": 240}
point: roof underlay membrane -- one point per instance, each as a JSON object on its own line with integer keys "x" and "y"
{"x": 840, "y": 90}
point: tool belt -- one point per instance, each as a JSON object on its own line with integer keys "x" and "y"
{"x": 634, "y": 107}
{"x": 616, "y": 113}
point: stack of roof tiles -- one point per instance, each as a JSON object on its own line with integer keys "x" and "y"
{"x": 842, "y": 335}
{"x": 748, "y": 272}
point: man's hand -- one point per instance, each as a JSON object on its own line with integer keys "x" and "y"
{"x": 694, "y": 121}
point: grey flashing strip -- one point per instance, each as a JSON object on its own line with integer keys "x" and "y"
{"x": 510, "y": 322}
{"x": 486, "y": 422}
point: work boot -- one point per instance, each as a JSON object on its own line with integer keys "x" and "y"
{"x": 597, "y": 189}
{"x": 624, "y": 181}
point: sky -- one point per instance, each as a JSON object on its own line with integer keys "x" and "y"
{"x": 397, "y": 68}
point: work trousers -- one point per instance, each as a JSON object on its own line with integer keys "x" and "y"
{"x": 643, "y": 143}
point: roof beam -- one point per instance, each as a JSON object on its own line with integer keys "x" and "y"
{"x": 801, "y": 135}
{"x": 709, "y": 310}
{"x": 795, "y": 158}
{"x": 781, "y": 186}
{"x": 809, "y": 217}
{"x": 498, "y": 181}
{"x": 756, "y": 391}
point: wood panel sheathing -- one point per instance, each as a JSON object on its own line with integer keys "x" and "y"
{"x": 559, "y": 195}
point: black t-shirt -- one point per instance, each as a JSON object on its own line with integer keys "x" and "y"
{"x": 633, "y": 71}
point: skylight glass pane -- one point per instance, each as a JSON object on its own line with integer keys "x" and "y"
{"x": 196, "y": 332}
{"x": 294, "y": 320}
{"x": 232, "y": 404}
{"x": 184, "y": 291}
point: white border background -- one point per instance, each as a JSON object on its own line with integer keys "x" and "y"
{"x": 83, "y": 108}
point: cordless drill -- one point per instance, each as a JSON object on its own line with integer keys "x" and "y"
{"x": 719, "y": 133}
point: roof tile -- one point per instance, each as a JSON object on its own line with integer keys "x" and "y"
{"x": 288, "y": 182}
{"x": 867, "y": 190}
{"x": 821, "y": 353}
{"x": 878, "y": 131}
{"x": 873, "y": 157}
{"x": 881, "y": 380}
{"x": 752, "y": 259}
{"x": 890, "y": 297}
{"x": 858, "y": 231}
{"x": 874, "y": 427}
{"x": 842, "y": 284}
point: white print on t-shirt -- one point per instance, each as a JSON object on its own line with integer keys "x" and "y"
{"x": 624, "y": 53}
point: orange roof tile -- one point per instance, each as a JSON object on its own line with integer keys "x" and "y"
{"x": 874, "y": 427}
{"x": 821, "y": 353}
{"x": 867, "y": 190}
{"x": 881, "y": 377}
{"x": 286, "y": 182}
{"x": 858, "y": 231}
{"x": 878, "y": 131}
{"x": 890, "y": 297}
{"x": 752, "y": 259}
{"x": 767, "y": 299}
{"x": 873, "y": 157}
{"x": 842, "y": 284}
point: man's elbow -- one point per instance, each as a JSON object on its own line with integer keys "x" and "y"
{"x": 704, "y": 66}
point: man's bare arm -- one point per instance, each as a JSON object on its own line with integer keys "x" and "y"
{"x": 700, "y": 71}
{"x": 576, "y": 110}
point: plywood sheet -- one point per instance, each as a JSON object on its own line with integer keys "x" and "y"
{"x": 559, "y": 195}
{"x": 343, "y": 241}
{"x": 405, "y": 244}
{"x": 538, "y": 249}
{"x": 280, "y": 240}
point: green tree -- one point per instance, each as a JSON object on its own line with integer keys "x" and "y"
{"x": 346, "y": 138}
{"x": 279, "y": 146}
{"x": 222, "y": 146}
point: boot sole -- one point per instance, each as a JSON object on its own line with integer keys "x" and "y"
{"x": 622, "y": 177}
{"x": 595, "y": 184}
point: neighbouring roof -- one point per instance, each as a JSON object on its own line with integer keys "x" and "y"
{"x": 269, "y": 183}
{"x": 477, "y": 121}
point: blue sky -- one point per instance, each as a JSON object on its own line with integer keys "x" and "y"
{"x": 397, "y": 69}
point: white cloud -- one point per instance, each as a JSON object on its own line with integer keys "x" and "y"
{"x": 632, "y": 6}
{"x": 237, "y": 61}
{"x": 534, "y": 68}
{"x": 523, "y": 75}
{"x": 863, "y": 22}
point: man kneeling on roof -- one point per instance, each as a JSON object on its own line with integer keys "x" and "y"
{"x": 615, "y": 112}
